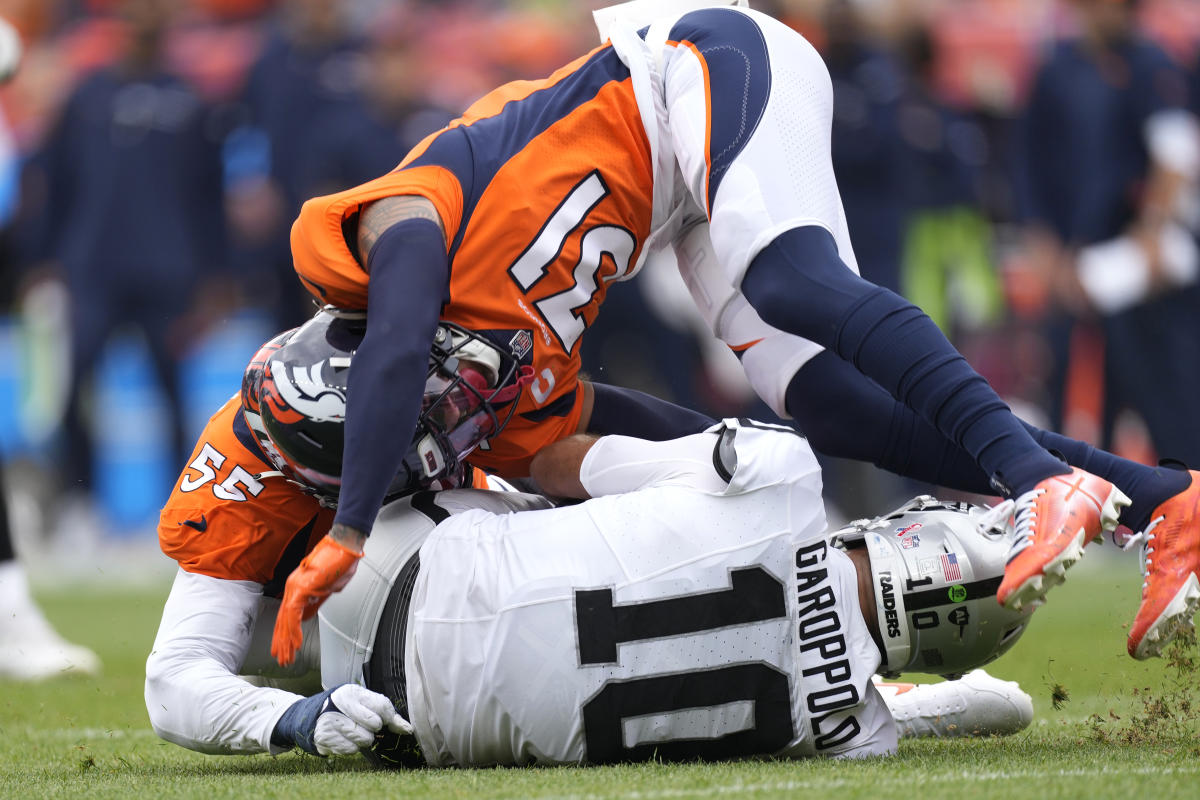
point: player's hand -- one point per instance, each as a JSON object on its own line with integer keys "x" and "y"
{"x": 339, "y": 721}
{"x": 351, "y": 720}
{"x": 327, "y": 569}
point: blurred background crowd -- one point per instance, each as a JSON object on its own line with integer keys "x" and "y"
{"x": 1024, "y": 170}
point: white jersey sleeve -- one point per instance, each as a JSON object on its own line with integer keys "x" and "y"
{"x": 619, "y": 464}
{"x": 194, "y": 695}
{"x": 734, "y": 456}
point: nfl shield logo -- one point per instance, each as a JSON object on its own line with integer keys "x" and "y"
{"x": 520, "y": 344}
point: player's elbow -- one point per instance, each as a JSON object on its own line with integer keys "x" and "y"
{"x": 170, "y": 708}
{"x": 157, "y": 692}
{"x": 556, "y": 467}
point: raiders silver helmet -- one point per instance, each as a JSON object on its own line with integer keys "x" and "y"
{"x": 935, "y": 568}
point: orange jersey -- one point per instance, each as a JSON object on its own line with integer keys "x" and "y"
{"x": 226, "y": 519}
{"x": 546, "y": 192}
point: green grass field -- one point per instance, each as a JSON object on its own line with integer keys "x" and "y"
{"x": 90, "y": 738}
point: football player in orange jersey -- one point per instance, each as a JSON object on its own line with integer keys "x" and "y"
{"x": 708, "y": 131}
{"x": 250, "y": 513}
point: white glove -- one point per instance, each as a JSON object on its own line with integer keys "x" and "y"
{"x": 353, "y": 719}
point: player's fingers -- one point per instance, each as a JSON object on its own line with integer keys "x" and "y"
{"x": 336, "y": 734}
{"x": 398, "y": 724}
{"x": 286, "y": 639}
{"x": 363, "y": 706}
{"x": 361, "y": 737}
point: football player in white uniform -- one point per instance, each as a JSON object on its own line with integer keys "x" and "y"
{"x": 694, "y": 606}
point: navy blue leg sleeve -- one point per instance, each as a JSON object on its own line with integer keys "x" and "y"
{"x": 1145, "y": 486}
{"x": 845, "y": 414}
{"x": 799, "y": 284}
{"x": 851, "y": 416}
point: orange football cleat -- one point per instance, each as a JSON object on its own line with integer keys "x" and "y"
{"x": 1170, "y": 566}
{"x": 1054, "y": 522}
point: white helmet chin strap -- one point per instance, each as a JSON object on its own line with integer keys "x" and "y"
{"x": 887, "y": 573}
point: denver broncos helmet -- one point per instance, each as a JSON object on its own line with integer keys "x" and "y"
{"x": 294, "y": 401}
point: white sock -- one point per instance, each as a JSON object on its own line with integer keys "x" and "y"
{"x": 17, "y": 606}
{"x": 14, "y": 587}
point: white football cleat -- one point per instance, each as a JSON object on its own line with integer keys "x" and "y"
{"x": 30, "y": 648}
{"x": 975, "y": 705}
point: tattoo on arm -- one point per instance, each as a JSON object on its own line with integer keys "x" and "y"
{"x": 379, "y": 215}
{"x": 349, "y": 537}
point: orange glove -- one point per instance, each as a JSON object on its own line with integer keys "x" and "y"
{"x": 327, "y": 569}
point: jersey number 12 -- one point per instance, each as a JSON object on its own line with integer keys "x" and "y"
{"x": 559, "y": 309}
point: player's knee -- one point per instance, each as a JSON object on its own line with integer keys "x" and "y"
{"x": 770, "y": 365}
{"x": 799, "y": 284}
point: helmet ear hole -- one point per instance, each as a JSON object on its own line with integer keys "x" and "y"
{"x": 1010, "y": 637}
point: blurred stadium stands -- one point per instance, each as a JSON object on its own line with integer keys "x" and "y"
{"x": 361, "y": 77}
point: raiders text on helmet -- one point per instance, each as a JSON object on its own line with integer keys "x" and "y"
{"x": 935, "y": 567}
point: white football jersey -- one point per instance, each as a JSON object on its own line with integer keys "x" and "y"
{"x": 702, "y": 615}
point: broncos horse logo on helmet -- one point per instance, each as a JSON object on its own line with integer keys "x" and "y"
{"x": 294, "y": 401}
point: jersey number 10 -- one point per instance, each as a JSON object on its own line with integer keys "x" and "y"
{"x": 754, "y": 596}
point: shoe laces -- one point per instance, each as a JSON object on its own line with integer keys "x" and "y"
{"x": 1025, "y": 518}
{"x": 1146, "y": 540}
{"x": 997, "y": 517}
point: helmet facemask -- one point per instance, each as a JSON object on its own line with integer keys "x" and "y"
{"x": 294, "y": 402}
{"x": 935, "y": 568}
{"x": 470, "y": 394}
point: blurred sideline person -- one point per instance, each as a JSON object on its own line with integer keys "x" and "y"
{"x": 132, "y": 217}
{"x": 715, "y": 539}
{"x": 639, "y": 145}
{"x": 1112, "y": 156}
{"x": 30, "y": 648}
{"x": 307, "y": 73}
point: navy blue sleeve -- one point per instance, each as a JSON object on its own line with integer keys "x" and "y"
{"x": 408, "y": 284}
{"x": 799, "y": 284}
{"x": 851, "y": 416}
{"x": 628, "y": 412}
{"x": 298, "y": 725}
